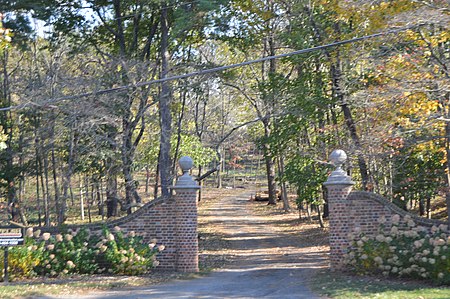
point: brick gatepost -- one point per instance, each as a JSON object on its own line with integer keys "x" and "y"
{"x": 339, "y": 186}
{"x": 186, "y": 237}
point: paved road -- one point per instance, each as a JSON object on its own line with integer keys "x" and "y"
{"x": 265, "y": 264}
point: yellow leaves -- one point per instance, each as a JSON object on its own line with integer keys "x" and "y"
{"x": 257, "y": 8}
{"x": 383, "y": 5}
{"x": 399, "y": 59}
{"x": 417, "y": 104}
{"x": 3, "y": 139}
{"x": 410, "y": 34}
{"x": 436, "y": 69}
{"x": 444, "y": 37}
{"x": 432, "y": 146}
{"x": 5, "y": 37}
{"x": 379, "y": 15}
{"x": 428, "y": 76}
{"x": 436, "y": 40}
{"x": 427, "y": 40}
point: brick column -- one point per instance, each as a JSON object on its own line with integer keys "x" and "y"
{"x": 186, "y": 237}
{"x": 339, "y": 186}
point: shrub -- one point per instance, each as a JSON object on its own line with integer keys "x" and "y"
{"x": 403, "y": 249}
{"x": 82, "y": 252}
{"x": 128, "y": 254}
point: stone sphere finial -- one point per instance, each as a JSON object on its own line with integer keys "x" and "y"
{"x": 338, "y": 158}
{"x": 186, "y": 163}
{"x": 185, "y": 181}
{"x": 338, "y": 176}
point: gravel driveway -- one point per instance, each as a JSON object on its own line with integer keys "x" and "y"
{"x": 265, "y": 263}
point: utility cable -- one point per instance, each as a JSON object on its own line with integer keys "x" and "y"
{"x": 211, "y": 70}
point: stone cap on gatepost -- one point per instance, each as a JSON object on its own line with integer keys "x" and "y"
{"x": 186, "y": 181}
{"x": 338, "y": 176}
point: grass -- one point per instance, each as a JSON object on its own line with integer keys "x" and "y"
{"x": 338, "y": 285}
{"x": 80, "y": 284}
{"x": 49, "y": 287}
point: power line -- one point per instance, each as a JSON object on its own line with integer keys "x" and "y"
{"x": 211, "y": 70}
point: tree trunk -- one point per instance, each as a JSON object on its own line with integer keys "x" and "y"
{"x": 119, "y": 33}
{"x": 38, "y": 173}
{"x": 219, "y": 168}
{"x": 67, "y": 178}
{"x": 111, "y": 177}
{"x": 326, "y": 210}
{"x": 157, "y": 179}
{"x": 81, "y": 199}
{"x": 164, "y": 108}
{"x": 112, "y": 202}
{"x": 270, "y": 168}
{"x": 200, "y": 183}
{"x": 319, "y": 214}
{"x": 147, "y": 179}
{"x": 428, "y": 207}
{"x": 99, "y": 198}
{"x": 284, "y": 195}
{"x": 46, "y": 196}
{"x": 129, "y": 187}
{"x": 421, "y": 206}
{"x": 179, "y": 123}
{"x": 308, "y": 211}
{"x": 270, "y": 165}
{"x": 361, "y": 161}
{"x": 60, "y": 212}
{"x": 88, "y": 198}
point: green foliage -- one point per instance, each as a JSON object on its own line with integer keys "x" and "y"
{"x": 82, "y": 252}
{"x": 22, "y": 261}
{"x": 420, "y": 173}
{"x": 5, "y": 37}
{"x": 308, "y": 176}
{"x": 404, "y": 250}
{"x": 3, "y": 138}
{"x": 147, "y": 152}
{"x": 128, "y": 255}
{"x": 191, "y": 146}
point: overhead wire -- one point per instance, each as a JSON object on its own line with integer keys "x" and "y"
{"x": 210, "y": 70}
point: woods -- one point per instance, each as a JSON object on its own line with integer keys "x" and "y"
{"x": 83, "y": 132}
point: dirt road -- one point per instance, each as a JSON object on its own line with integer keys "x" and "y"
{"x": 264, "y": 262}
